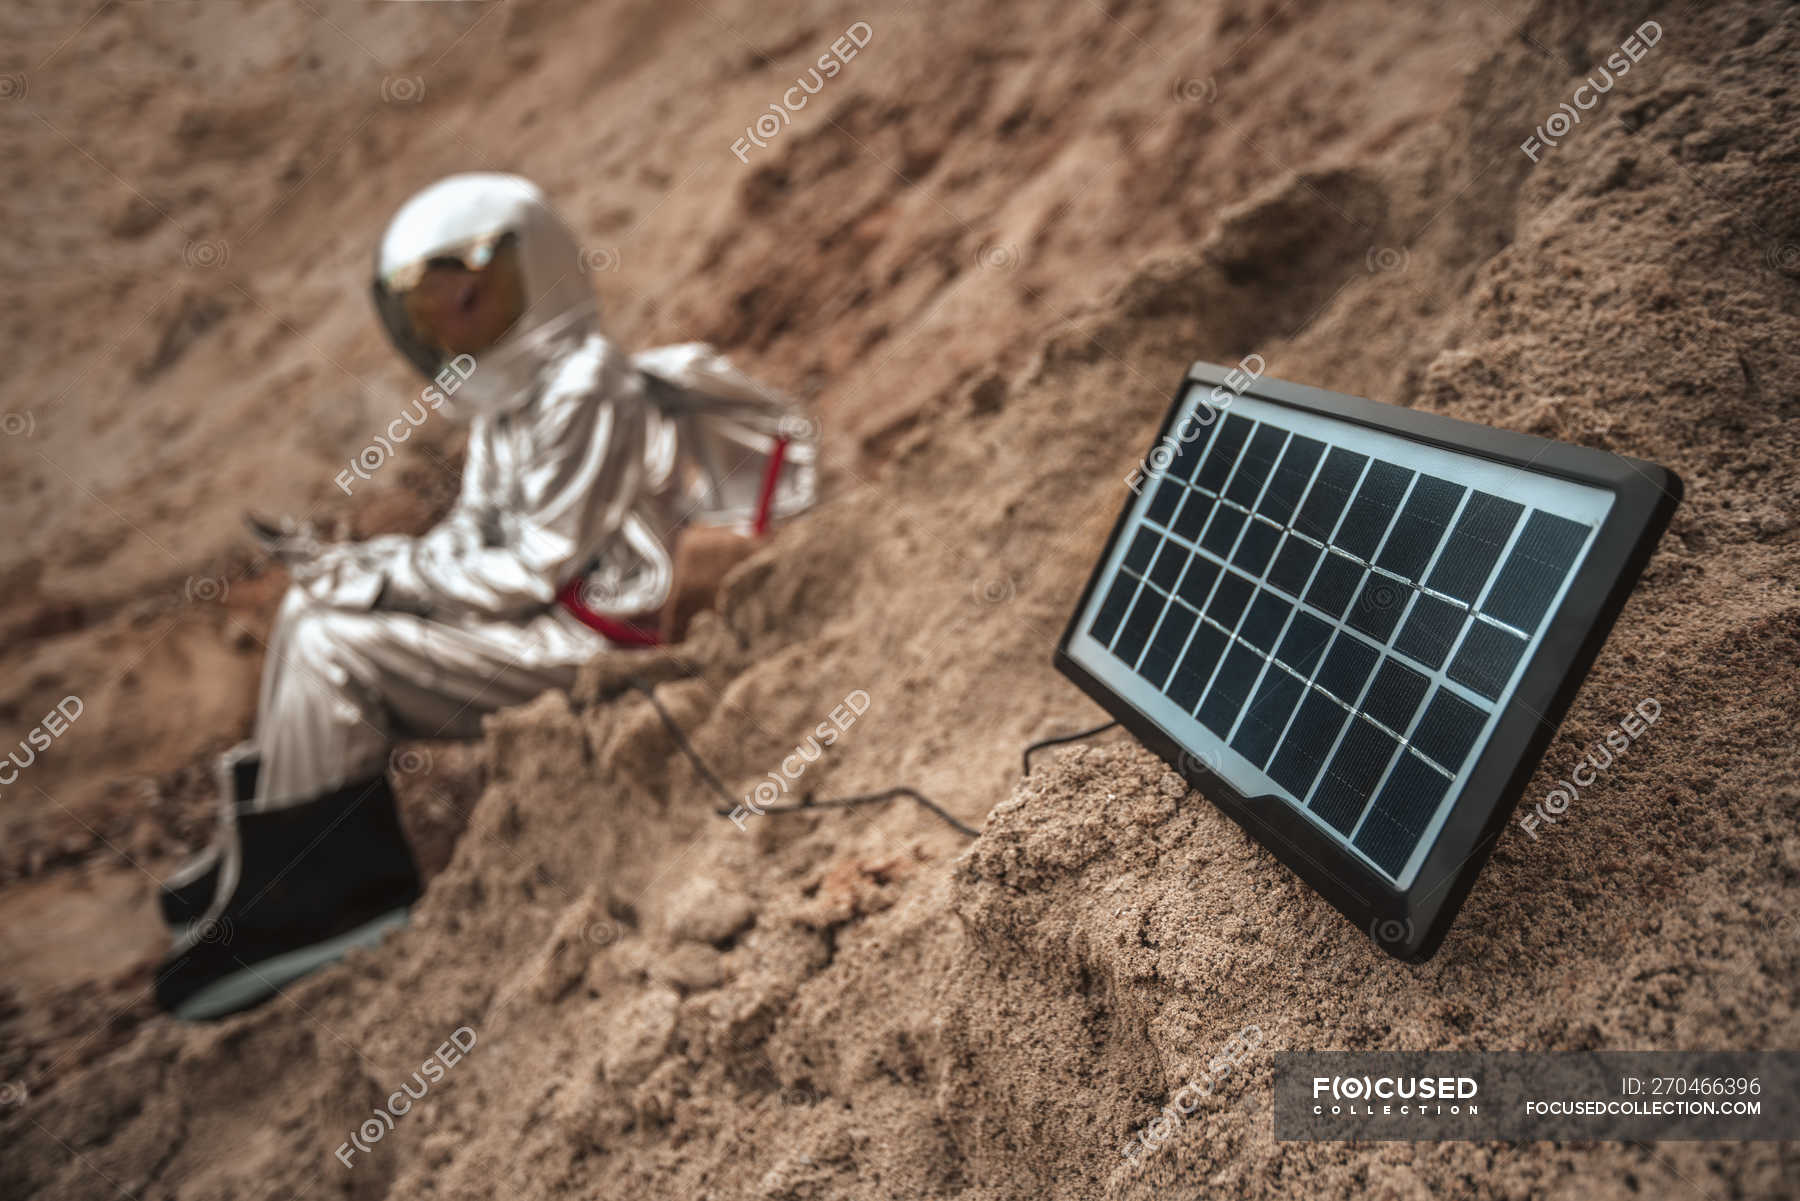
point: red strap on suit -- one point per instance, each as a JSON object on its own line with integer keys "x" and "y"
{"x": 626, "y": 633}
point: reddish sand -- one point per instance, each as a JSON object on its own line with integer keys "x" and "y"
{"x": 986, "y": 249}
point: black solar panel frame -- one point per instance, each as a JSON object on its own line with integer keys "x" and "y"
{"x": 1411, "y": 923}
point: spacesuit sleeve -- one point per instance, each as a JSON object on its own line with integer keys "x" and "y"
{"x": 504, "y": 556}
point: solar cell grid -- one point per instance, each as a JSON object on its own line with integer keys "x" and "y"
{"x": 1222, "y": 531}
{"x": 1256, "y": 546}
{"x": 1354, "y": 626}
{"x": 1294, "y": 564}
{"x": 1267, "y": 716}
{"x": 1283, "y": 494}
{"x": 1301, "y": 599}
{"x": 1232, "y": 433}
{"x": 1254, "y": 466}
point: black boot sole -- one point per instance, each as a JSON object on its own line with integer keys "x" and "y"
{"x": 309, "y": 883}
{"x": 257, "y": 982}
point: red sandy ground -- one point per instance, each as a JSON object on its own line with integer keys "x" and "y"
{"x": 987, "y": 249}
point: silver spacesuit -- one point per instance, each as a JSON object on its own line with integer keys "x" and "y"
{"x": 584, "y": 464}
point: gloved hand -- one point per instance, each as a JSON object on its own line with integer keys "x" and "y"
{"x": 293, "y": 543}
{"x": 344, "y": 575}
{"x": 703, "y": 557}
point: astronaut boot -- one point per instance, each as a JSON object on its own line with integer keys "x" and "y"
{"x": 189, "y": 889}
{"x": 296, "y": 888}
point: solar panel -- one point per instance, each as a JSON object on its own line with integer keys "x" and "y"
{"x": 1355, "y": 627}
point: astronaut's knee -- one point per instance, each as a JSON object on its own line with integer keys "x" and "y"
{"x": 293, "y": 603}
{"x": 311, "y": 639}
{"x": 322, "y": 637}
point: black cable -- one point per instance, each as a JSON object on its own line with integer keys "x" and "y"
{"x": 1041, "y": 743}
{"x": 869, "y": 798}
{"x": 873, "y": 798}
{"x": 687, "y": 748}
{"x": 730, "y": 806}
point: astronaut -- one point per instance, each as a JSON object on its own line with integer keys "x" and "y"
{"x": 585, "y": 467}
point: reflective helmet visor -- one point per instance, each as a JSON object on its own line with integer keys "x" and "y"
{"x": 461, "y": 300}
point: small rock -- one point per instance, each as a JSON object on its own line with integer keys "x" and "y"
{"x": 637, "y": 1038}
{"x": 701, "y": 911}
{"x": 691, "y": 966}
